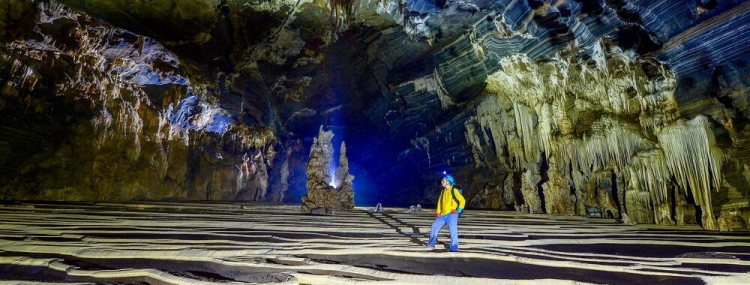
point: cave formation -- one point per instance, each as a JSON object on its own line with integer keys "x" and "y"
{"x": 634, "y": 109}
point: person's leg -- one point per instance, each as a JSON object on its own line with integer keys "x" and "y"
{"x": 453, "y": 228}
{"x": 436, "y": 226}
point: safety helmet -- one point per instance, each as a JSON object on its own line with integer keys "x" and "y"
{"x": 450, "y": 179}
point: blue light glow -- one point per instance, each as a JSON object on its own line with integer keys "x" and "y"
{"x": 220, "y": 124}
{"x": 186, "y": 109}
{"x": 190, "y": 107}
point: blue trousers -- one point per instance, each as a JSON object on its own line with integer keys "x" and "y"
{"x": 452, "y": 221}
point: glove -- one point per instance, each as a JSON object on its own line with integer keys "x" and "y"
{"x": 454, "y": 212}
{"x": 460, "y": 210}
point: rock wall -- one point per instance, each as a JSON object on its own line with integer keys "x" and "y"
{"x": 94, "y": 112}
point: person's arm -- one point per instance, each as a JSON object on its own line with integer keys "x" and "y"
{"x": 461, "y": 200}
{"x": 439, "y": 207}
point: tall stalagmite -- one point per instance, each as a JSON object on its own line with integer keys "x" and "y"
{"x": 327, "y": 189}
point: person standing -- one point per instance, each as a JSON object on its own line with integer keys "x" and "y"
{"x": 449, "y": 205}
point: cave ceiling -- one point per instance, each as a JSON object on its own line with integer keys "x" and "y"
{"x": 557, "y": 92}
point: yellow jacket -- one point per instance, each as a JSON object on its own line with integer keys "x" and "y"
{"x": 446, "y": 204}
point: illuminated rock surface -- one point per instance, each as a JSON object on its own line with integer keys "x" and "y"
{"x": 210, "y": 243}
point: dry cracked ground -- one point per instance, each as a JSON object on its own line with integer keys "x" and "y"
{"x": 215, "y": 243}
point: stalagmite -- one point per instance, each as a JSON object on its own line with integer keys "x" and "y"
{"x": 639, "y": 206}
{"x": 556, "y": 199}
{"x": 529, "y": 181}
{"x": 324, "y": 195}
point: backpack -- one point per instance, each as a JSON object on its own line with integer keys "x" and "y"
{"x": 453, "y": 194}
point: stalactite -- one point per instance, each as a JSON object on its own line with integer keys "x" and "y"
{"x": 648, "y": 171}
{"x": 526, "y": 121}
{"x": 489, "y": 116}
{"x": 556, "y": 77}
{"x": 612, "y": 144}
{"x": 545, "y": 128}
{"x": 25, "y": 76}
{"x": 694, "y": 159}
{"x": 546, "y": 90}
{"x": 579, "y": 112}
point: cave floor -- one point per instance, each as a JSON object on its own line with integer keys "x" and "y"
{"x": 225, "y": 243}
